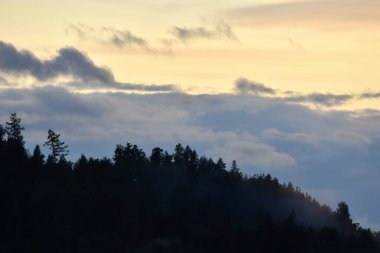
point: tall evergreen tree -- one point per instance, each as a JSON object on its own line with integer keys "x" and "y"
{"x": 179, "y": 153}
{"x": 2, "y": 136}
{"x": 235, "y": 171}
{"x": 58, "y": 148}
{"x": 221, "y": 164}
{"x": 37, "y": 157}
{"x": 157, "y": 157}
{"x": 2, "y": 133}
{"x": 342, "y": 211}
{"x": 13, "y": 130}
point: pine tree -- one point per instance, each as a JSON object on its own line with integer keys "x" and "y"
{"x": 13, "y": 130}
{"x": 2, "y": 136}
{"x": 2, "y": 133}
{"x": 157, "y": 157}
{"x": 58, "y": 148}
{"x": 37, "y": 157}
{"x": 235, "y": 171}
{"x": 221, "y": 164}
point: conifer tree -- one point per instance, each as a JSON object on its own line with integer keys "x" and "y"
{"x": 13, "y": 130}
{"x": 37, "y": 157}
{"x": 58, "y": 148}
{"x": 2, "y": 136}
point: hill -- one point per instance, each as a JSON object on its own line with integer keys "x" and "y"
{"x": 163, "y": 202}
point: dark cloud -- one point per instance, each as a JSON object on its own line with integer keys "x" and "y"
{"x": 245, "y": 86}
{"x": 123, "y": 38}
{"x": 68, "y": 62}
{"x": 220, "y": 30}
{"x": 123, "y": 86}
{"x": 370, "y": 95}
{"x": 327, "y": 100}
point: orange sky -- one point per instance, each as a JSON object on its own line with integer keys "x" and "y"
{"x": 327, "y": 46}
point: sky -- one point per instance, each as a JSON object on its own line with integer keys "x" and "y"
{"x": 290, "y": 88}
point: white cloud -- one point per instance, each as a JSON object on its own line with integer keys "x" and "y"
{"x": 256, "y": 154}
{"x": 274, "y": 134}
{"x": 351, "y": 137}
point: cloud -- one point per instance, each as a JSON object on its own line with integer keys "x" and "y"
{"x": 123, "y": 86}
{"x": 220, "y": 30}
{"x": 80, "y": 30}
{"x": 121, "y": 38}
{"x": 256, "y": 154}
{"x": 370, "y": 95}
{"x": 69, "y": 62}
{"x": 274, "y": 134}
{"x": 331, "y": 151}
{"x": 125, "y": 38}
{"x": 351, "y": 137}
{"x": 3, "y": 81}
{"x": 329, "y": 14}
{"x": 327, "y": 100}
{"x": 245, "y": 86}
{"x": 107, "y": 35}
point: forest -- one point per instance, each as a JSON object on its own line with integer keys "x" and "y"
{"x": 157, "y": 202}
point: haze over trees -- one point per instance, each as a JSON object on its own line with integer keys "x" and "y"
{"x": 161, "y": 202}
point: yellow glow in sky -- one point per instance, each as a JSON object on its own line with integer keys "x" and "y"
{"x": 310, "y": 46}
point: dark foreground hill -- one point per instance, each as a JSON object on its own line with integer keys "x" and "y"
{"x": 158, "y": 203}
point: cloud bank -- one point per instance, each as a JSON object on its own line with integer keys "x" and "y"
{"x": 266, "y": 130}
{"x": 333, "y": 155}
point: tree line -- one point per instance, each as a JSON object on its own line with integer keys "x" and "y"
{"x": 161, "y": 202}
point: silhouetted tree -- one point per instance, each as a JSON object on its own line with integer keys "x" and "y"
{"x": 37, "y": 158}
{"x": 344, "y": 218}
{"x": 179, "y": 153}
{"x": 221, "y": 164}
{"x": 342, "y": 211}
{"x": 57, "y": 147}
{"x": 235, "y": 171}
{"x": 15, "y": 140}
{"x": 14, "y": 129}
{"x": 168, "y": 159}
{"x": 2, "y": 138}
{"x": 130, "y": 156}
{"x": 157, "y": 157}
{"x": 2, "y": 134}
